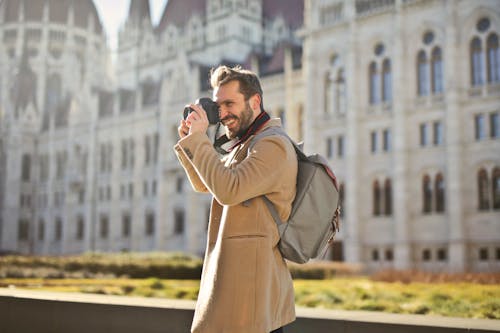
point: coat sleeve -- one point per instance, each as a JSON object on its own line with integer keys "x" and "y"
{"x": 193, "y": 176}
{"x": 258, "y": 174}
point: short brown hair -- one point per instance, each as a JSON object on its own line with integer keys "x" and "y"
{"x": 249, "y": 82}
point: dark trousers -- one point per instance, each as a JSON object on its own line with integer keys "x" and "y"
{"x": 279, "y": 330}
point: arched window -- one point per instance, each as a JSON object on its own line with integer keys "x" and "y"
{"x": 58, "y": 230}
{"x": 41, "y": 229}
{"x": 179, "y": 223}
{"x": 495, "y": 181}
{"x": 388, "y": 197}
{"x": 437, "y": 71}
{"x": 104, "y": 226}
{"x": 426, "y": 255}
{"x": 23, "y": 230}
{"x": 341, "y": 92}
{"x": 52, "y": 98}
{"x": 439, "y": 190}
{"x": 493, "y": 60}
{"x": 341, "y": 199}
{"x": 386, "y": 81}
{"x": 427, "y": 194}
{"x": 80, "y": 228}
{"x": 422, "y": 71}
{"x": 26, "y": 167}
{"x": 329, "y": 93}
{"x": 374, "y": 84}
{"x": 483, "y": 189}
{"x": 377, "y": 200}
{"x": 476, "y": 61}
{"x": 150, "y": 224}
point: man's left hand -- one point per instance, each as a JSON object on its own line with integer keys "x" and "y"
{"x": 198, "y": 120}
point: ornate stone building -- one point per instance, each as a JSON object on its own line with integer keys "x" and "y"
{"x": 403, "y": 97}
{"x": 86, "y": 148}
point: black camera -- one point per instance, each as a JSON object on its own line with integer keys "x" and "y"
{"x": 211, "y": 108}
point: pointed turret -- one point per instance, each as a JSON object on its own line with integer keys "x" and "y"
{"x": 138, "y": 11}
{"x": 23, "y": 89}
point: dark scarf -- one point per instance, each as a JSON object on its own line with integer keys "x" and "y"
{"x": 254, "y": 127}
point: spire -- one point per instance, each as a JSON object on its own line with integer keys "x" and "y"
{"x": 138, "y": 11}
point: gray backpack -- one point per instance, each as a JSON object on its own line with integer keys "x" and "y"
{"x": 314, "y": 219}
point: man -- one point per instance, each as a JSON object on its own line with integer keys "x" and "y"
{"x": 245, "y": 285}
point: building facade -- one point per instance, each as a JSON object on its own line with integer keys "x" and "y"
{"x": 406, "y": 102}
{"x": 402, "y": 96}
{"x": 86, "y": 147}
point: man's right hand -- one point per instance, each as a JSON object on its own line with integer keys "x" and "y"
{"x": 183, "y": 129}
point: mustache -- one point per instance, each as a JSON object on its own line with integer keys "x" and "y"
{"x": 228, "y": 117}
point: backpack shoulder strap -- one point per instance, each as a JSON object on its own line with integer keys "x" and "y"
{"x": 274, "y": 130}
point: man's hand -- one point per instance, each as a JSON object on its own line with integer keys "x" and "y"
{"x": 196, "y": 122}
{"x": 183, "y": 129}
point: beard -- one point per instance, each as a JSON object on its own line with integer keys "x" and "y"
{"x": 244, "y": 120}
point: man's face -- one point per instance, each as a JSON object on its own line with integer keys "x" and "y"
{"x": 235, "y": 113}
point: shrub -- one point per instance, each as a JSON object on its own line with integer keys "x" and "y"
{"x": 156, "y": 284}
{"x": 134, "y": 265}
{"x": 431, "y": 277}
{"x": 320, "y": 270}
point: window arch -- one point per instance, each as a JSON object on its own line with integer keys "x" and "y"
{"x": 493, "y": 58}
{"x": 335, "y": 87}
{"x": 422, "y": 74}
{"x": 374, "y": 84}
{"x": 437, "y": 70}
{"x": 495, "y": 181}
{"x": 388, "y": 197}
{"x": 482, "y": 190}
{"x": 386, "y": 81}
{"x": 380, "y": 76}
{"x": 377, "y": 200}
{"x": 427, "y": 194}
{"x": 477, "y": 63}
{"x": 440, "y": 193}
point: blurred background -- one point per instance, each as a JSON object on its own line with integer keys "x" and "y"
{"x": 402, "y": 97}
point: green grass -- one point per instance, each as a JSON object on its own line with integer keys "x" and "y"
{"x": 468, "y": 300}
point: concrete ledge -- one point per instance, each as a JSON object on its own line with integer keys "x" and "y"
{"x": 39, "y": 311}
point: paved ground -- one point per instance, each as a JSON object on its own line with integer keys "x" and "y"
{"x": 346, "y": 321}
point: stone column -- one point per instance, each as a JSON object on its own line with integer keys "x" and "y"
{"x": 402, "y": 246}
{"x": 11, "y": 208}
{"x": 353, "y": 247}
{"x": 312, "y": 111}
{"x": 454, "y": 145}
{"x": 91, "y": 179}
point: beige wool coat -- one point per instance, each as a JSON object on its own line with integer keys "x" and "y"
{"x": 246, "y": 286}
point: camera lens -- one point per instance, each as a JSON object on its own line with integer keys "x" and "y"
{"x": 211, "y": 108}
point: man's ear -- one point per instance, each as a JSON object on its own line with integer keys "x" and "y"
{"x": 255, "y": 102}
